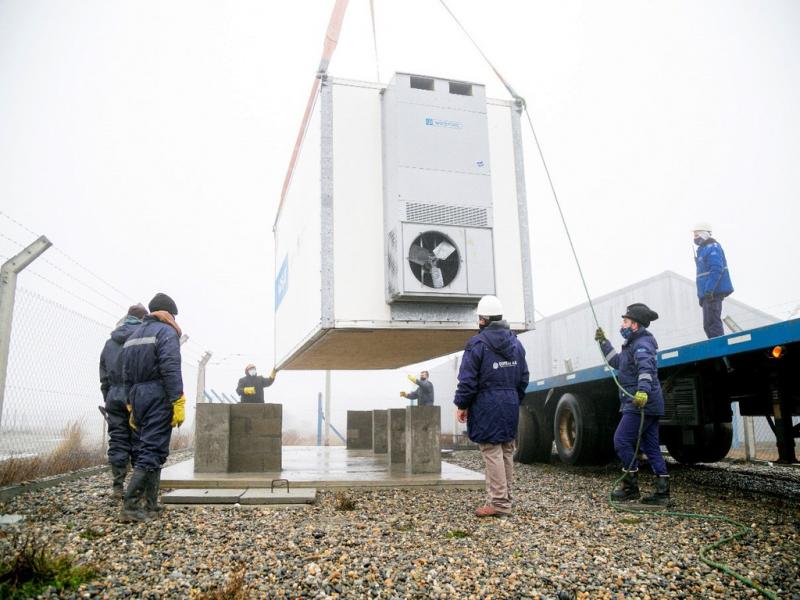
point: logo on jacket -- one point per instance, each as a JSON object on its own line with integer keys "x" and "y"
{"x": 504, "y": 364}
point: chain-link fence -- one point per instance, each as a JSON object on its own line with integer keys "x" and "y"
{"x": 754, "y": 437}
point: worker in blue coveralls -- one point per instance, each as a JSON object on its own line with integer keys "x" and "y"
{"x": 151, "y": 359}
{"x": 638, "y": 375}
{"x": 491, "y": 383}
{"x": 120, "y": 437}
{"x": 713, "y": 279}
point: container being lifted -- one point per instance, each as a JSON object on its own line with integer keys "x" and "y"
{"x": 406, "y": 205}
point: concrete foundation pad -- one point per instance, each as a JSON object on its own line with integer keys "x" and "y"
{"x": 203, "y": 496}
{"x": 279, "y": 496}
{"x": 325, "y": 468}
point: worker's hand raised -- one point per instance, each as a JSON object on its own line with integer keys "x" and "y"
{"x": 461, "y": 415}
{"x": 403, "y": 394}
{"x": 273, "y": 373}
{"x": 600, "y": 335}
{"x": 411, "y": 378}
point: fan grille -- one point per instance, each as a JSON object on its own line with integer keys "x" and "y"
{"x": 444, "y": 214}
{"x": 441, "y": 272}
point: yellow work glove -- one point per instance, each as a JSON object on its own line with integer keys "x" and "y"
{"x": 273, "y": 373}
{"x": 249, "y": 391}
{"x": 411, "y": 378}
{"x": 640, "y": 399}
{"x": 600, "y": 335}
{"x": 179, "y": 411}
{"x": 130, "y": 416}
{"x": 403, "y": 394}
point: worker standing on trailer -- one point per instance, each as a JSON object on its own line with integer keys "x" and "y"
{"x": 120, "y": 437}
{"x": 151, "y": 360}
{"x": 424, "y": 392}
{"x": 251, "y": 386}
{"x": 491, "y": 383}
{"x": 713, "y": 279}
{"x": 638, "y": 375}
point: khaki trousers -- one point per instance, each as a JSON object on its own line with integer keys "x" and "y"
{"x": 499, "y": 461}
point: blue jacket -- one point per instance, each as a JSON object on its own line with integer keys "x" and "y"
{"x": 637, "y": 371}
{"x": 110, "y": 363}
{"x": 151, "y": 360}
{"x": 491, "y": 382}
{"x": 712, "y": 270}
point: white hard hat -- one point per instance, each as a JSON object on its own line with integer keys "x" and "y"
{"x": 702, "y": 226}
{"x": 489, "y": 306}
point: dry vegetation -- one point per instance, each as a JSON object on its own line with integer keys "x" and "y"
{"x": 234, "y": 589}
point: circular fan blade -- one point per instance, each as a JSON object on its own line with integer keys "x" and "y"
{"x": 421, "y": 256}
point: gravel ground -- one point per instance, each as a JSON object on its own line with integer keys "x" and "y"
{"x": 563, "y": 541}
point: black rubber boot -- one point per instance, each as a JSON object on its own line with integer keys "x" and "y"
{"x": 118, "y": 475}
{"x": 661, "y": 496}
{"x": 628, "y": 488}
{"x": 151, "y": 505}
{"x": 131, "y": 511}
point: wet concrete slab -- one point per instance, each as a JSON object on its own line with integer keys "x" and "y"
{"x": 326, "y": 468}
{"x": 203, "y": 496}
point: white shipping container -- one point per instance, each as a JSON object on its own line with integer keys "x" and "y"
{"x": 333, "y": 309}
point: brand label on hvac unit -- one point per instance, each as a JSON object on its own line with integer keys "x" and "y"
{"x": 504, "y": 364}
{"x": 282, "y": 282}
{"x": 431, "y": 122}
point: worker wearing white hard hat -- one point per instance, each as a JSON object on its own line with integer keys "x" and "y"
{"x": 491, "y": 383}
{"x": 713, "y": 278}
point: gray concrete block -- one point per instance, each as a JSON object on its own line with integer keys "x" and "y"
{"x": 211, "y": 436}
{"x": 255, "y": 440}
{"x": 359, "y": 429}
{"x": 423, "y": 443}
{"x": 203, "y": 496}
{"x": 396, "y": 435}
{"x": 380, "y": 433}
{"x": 279, "y": 496}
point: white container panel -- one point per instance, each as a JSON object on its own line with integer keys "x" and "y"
{"x": 298, "y": 246}
{"x": 479, "y": 263}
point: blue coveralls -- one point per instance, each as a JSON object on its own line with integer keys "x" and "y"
{"x": 152, "y": 374}
{"x": 713, "y": 284}
{"x": 491, "y": 383}
{"x": 122, "y": 441}
{"x": 637, "y": 369}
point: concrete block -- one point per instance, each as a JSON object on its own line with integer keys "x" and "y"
{"x": 396, "y": 435}
{"x": 279, "y": 496}
{"x": 255, "y": 438}
{"x": 380, "y": 433}
{"x": 423, "y": 431}
{"x": 359, "y": 429}
{"x": 203, "y": 496}
{"x": 211, "y": 436}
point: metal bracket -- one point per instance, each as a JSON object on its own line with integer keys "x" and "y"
{"x": 274, "y": 481}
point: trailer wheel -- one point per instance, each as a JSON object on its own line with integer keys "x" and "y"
{"x": 712, "y": 442}
{"x": 580, "y": 433}
{"x": 534, "y": 436}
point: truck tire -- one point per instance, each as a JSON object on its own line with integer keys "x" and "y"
{"x": 712, "y": 442}
{"x": 581, "y": 431}
{"x": 534, "y": 437}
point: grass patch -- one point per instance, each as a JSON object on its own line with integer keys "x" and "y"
{"x": 629, "y": 520}
{"x": 71, "y": 454}
{"x": 344, "y": 502}
{"x": 91, "y": 534}
{"x": 457, "y": 534}
{"x": 234, "y": 589}
{"x": 32, "y": 567}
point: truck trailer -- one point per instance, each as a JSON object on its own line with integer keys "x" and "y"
{"x": 758, "y": 368}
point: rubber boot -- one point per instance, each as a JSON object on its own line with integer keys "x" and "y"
{"x": 118, "y": 474}
{"x": 661, "y": 495}
{"x": 151, "y": 505}
{"x": 628, "y": 488}
{"x": 131, "y": 511}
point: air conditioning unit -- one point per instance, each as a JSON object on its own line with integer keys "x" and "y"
{"x": 437, "y": 190}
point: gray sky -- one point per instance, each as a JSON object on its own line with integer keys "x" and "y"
{"x": 149, "y": 141}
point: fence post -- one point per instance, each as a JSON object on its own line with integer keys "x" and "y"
{"x": 327, "y": 408}
{"x": 8, "y": 288}
{"x": 749, "y": 439}
{"x": 201, "y": 376}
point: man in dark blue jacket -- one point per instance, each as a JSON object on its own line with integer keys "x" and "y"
{"x": 713, "y": 279}
{"x": 637, "y": 373}
{"x": 151, "y": 359}
{"x": 120, "y": 440}
{"x": 491, "y": 383}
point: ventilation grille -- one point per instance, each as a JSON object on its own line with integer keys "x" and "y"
{"x": 443, "y": 214}
{"x": 680, "y": 402}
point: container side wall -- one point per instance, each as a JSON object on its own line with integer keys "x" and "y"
{"x": 297, "y": 250}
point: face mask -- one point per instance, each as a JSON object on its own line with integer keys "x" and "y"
{"x": 252, "y": 372}
{"x": 626, "y": 332}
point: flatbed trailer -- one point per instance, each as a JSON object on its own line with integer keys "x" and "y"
{"x": 758, "y": 368}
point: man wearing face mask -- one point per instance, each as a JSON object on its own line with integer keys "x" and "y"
{"x": 424, "y": 392}
{"x": 713, "y": 279}
{"x": 491, "y": 383}
{"x": 638, "y": 375}
{"x": 251, "y": 386}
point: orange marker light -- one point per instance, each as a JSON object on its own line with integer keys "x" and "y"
{"x": 777, "y": 352}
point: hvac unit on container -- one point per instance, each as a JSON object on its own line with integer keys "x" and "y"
{"x": 407, "y": 204}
